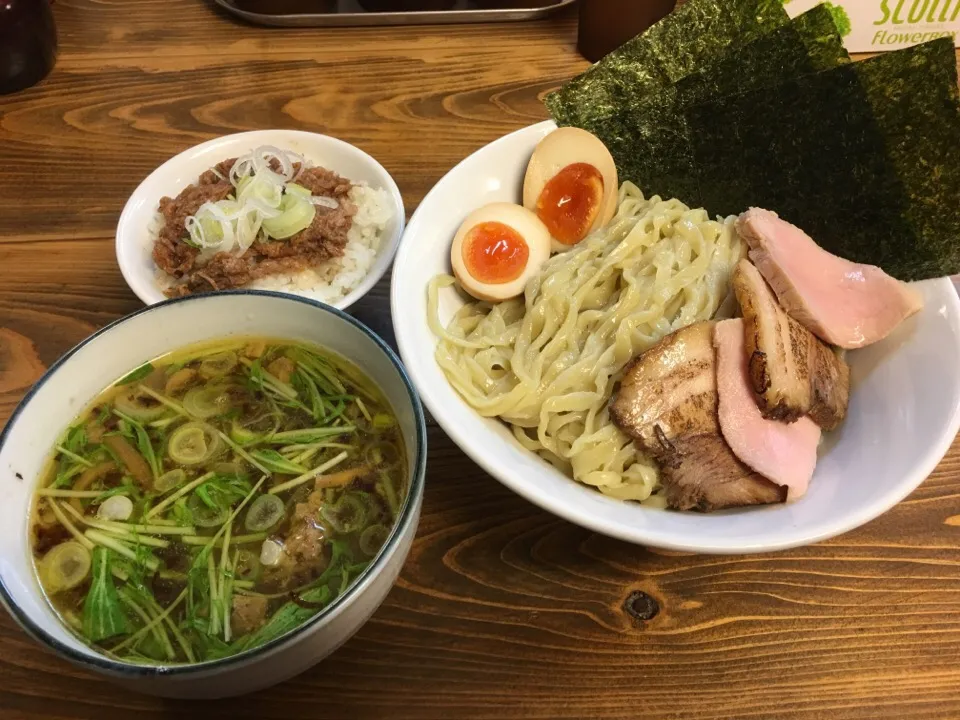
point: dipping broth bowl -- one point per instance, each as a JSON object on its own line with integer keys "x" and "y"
{"x": 83, "y": 373}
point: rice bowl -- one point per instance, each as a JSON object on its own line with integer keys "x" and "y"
{"x": 371, "y": 240}
{"x": 334, "y": 279}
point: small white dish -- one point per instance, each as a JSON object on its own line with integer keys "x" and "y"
{"x": 134, "y": 245}
{"x": 80, "y": 375}
{"x": 904, "y": 410}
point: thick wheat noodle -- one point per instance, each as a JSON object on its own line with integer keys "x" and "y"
{"x": 547, "y": 363}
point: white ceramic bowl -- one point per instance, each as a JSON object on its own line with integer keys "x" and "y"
{"x": 904, "y": 411}
{"x": 135, "y": 246}
{"x": 79, "y": 376}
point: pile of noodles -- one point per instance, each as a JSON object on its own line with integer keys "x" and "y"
{"x": 547, "y": 363}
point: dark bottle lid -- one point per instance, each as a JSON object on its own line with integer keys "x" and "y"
{"x": 28, "y": 43}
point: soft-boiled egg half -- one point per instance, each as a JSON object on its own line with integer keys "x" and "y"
{"x": 571, "y": 184}
{"x": 497, "y": 249}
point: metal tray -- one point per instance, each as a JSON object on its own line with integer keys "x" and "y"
{"x": 345, "y": 13}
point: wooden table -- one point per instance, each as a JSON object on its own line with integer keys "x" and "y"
{"x": 502, "y": 611}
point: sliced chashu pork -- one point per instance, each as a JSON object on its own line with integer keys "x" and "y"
{"x": 667, "y": 401}
{"x": 701, "y": 472}
{"x": 672, "y": 386}
{"x": 791, "y": 370}
{"x": 781, "y": 452}
{"x": 844, "y": 303}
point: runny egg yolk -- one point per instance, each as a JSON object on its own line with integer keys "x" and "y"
{"x": 570, "y": 201}
{"x": 495, "y": 253}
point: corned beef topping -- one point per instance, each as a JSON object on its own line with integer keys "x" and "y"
{"x": 323, "y": 240}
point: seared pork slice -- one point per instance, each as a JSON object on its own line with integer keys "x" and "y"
{"x": 667, "y": 402}
{"x": 842, "y": 302}
{"x": 783, "y": 453}
{"x": 673, "y": 386}
{"x": 791, "y": 370}
{"x": 700, "y": 472}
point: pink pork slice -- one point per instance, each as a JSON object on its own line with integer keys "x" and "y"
{"x": 784, "y": 453}
{"x": 841, "y": 302}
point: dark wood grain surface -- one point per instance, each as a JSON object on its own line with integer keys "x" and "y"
{"x": 502, "y": 611}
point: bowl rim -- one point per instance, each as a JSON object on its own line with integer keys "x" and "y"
{"x": 405, "y": 517}
{"x": 637, "y": 534}
{"x": 123, "y": 242}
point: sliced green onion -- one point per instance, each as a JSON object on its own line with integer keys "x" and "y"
{"x": 265, "y": 512}
{"x": 64, "y": 567}
{"x": 241, "y": 435}
{"x": 139, "y": 404}
{"x": 298, "y": 190}
{"x": 347, "y": 515}
{"x": 218, "y": 364}
{"x": 246, "y": 567}
{"x": 206, "y": 402}
{"x": 169, "y": 480}
{"x": 194, "y": 443}
{"x": 383, "y": 421}
{"x": 373, "y": 538}
{"x": 172, "y": 404}
{"x": 265, "y": 195}
{"x": 383, "y": 454}
{"x": 205, "y": 229}
{"x": 204, "y": 515}
{"x": 296, "y": 214}
{"x": 389, "y": 492}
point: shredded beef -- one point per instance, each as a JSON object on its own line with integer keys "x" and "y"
{"x": 170, "y": 253}
{"x": 212, "y": 178}
{"x": 323, "y": 240}
{"x": 48, "y": 537}
{"x": 320, "y": 181}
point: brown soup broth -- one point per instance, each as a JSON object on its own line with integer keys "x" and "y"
{"x": 216, "y": 498}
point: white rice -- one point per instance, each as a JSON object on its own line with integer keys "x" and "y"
{"x": 337, "y": 277}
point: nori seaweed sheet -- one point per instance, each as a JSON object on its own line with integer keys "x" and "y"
{"x": 693, "y": 36}
{"x": 921, "y": 127}
{"x": 648, "y": 136}
{"x": 809, "y": 43}
{"x": 864, "y": 157}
